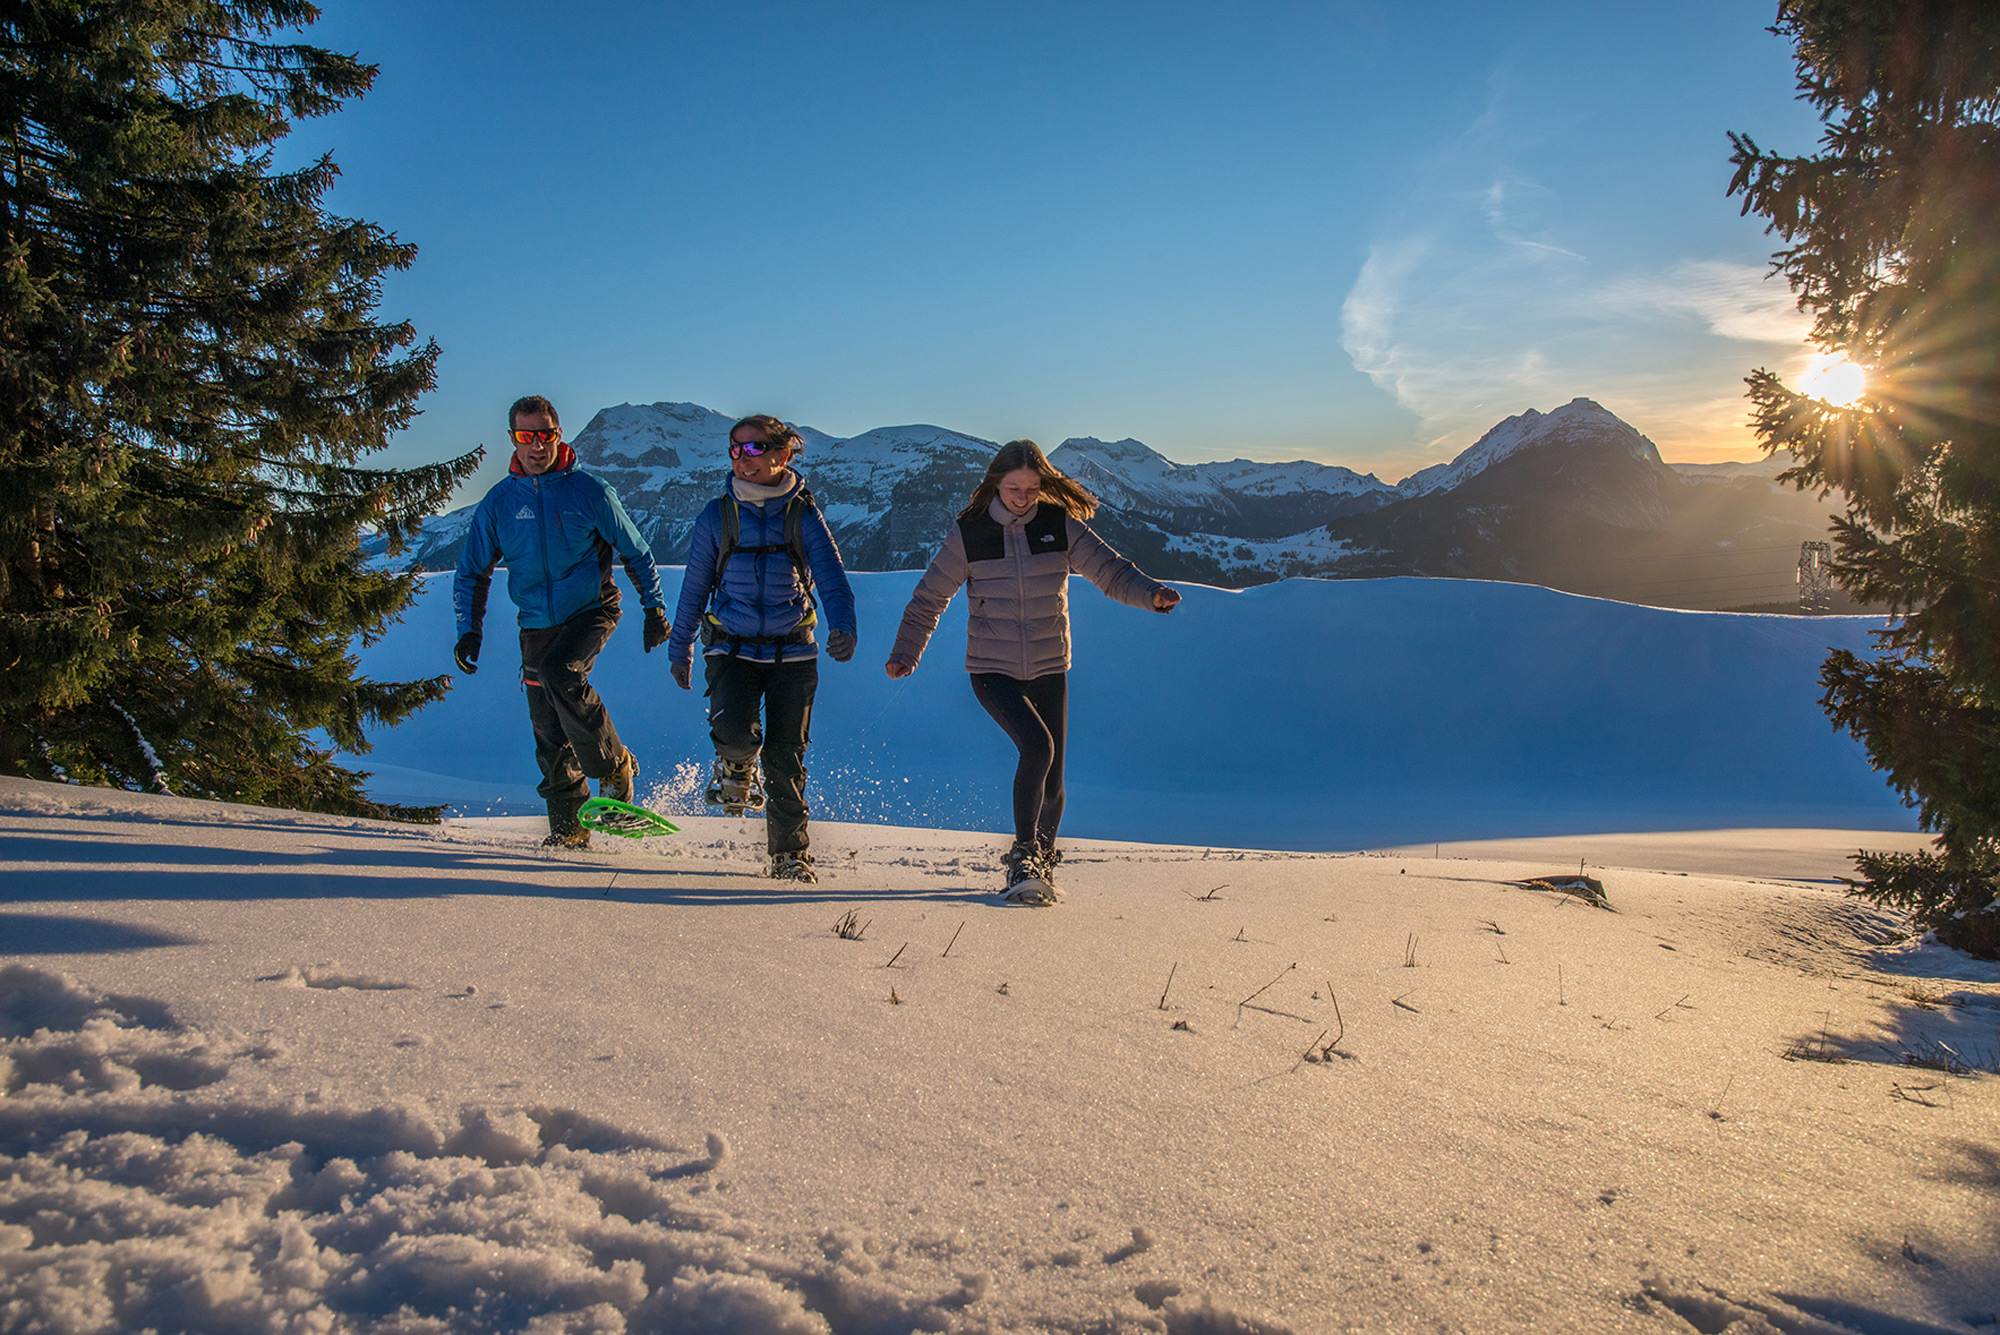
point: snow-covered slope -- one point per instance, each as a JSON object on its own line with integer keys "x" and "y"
{"x": 1132, "y": 476}
{"x": 1304, "y": 714}
{"x": 1578, "y": 422}
{"x": 888, "y": 493}
{"x": 270, "y": 1074}
{"x": 1506, "y": 508}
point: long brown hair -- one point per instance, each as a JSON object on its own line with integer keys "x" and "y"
{"x": 1057, "y": 487}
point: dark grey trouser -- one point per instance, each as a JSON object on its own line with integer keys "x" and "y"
{"x": 1035, "y": 715}
{"x": 574, "y": 737}
{"x": 736, "y": 689}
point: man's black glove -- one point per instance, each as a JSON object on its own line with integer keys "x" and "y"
{"x": 840, "y": 644}
{"x": 656, "y": 628}
{"x": 683, "y": 675}
{"x": 467, "y": 652}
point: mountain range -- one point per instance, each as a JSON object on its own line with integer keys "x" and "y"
{"x": 1575, "y": 499}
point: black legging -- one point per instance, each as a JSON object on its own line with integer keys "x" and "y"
{"x": 1036, "y": 715}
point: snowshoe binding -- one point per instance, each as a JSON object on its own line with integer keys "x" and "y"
{"x": 623, "y": 819}
{"x": 1027, "y": 877}
{"x": 735, "y": 788}
{"x": 617, "y": 785}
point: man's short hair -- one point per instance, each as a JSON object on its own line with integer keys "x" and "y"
{"x": 776, "y": 432}
{"x": 531, "y": 403}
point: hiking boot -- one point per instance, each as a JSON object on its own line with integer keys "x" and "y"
{"x": 735, "y": 788}
{"x": 1026, "y": 877}
{"x": 617, "y": 785}
{"x": 793, "y": 867}
{"x": 569, "y": 836}
{"x": 1051, "y": 858}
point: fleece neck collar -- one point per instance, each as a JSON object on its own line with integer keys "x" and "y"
{"x": 756, "y": 493}
{"x": 564, "y": 461}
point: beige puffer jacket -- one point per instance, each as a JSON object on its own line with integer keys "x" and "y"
{"x": 1016, "y": 569}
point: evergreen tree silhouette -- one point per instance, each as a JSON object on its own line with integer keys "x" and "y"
{"x": 192, "y": 373}
{"x": 1892, "y": 236}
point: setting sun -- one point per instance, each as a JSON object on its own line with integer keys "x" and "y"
{"x": 1833, "y": 379}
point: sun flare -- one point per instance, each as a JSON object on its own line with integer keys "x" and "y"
{"x": 1834, "y": 380}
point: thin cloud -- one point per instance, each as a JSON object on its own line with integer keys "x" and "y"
{"x": 1477, "y": 301}
{"x": 1464, "y": 325}
{"x": 1515, "y": 208}
{"x": 1735, "y": 301}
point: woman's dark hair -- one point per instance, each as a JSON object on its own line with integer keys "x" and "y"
{"x": 775, "y": 432}
{"x": 1057, "y": 487}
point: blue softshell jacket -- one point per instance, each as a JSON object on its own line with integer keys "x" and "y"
{"x": 760, "y": 593}
{"x": 556, "y": 532}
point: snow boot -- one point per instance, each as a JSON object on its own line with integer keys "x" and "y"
{"x": 617, "y": 785}
{"x": 1026, "y": 883}
{"x": 793, "y": 867}
{"x": 569, "y": 836}
{"x": 735, "y": 788}
{"x": 565, "y": 831}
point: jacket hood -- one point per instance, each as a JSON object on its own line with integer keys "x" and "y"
{"x": 564, "y": 461}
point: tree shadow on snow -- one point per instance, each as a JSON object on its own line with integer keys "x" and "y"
{"x": 1930, "y": 1029}
{"x": 53, "y": 934}
{"x": 1958, "y": 1268}
{"x": 43, "y": 869}
{"x": 782, "y": 892}
{"x": 429, "y": 855}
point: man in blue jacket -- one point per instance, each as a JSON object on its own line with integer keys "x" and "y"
{"x": 556, "y": 526}
{"x": 754, "y": 559}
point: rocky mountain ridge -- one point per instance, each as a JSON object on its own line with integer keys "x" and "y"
{"x": 1574, "y": 498}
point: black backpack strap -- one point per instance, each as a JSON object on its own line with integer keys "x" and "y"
{"x": 731, "y": 519}
{"x": 732, "y": 532}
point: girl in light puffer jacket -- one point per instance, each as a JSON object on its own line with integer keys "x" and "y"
{"x": 1014, "y": 546}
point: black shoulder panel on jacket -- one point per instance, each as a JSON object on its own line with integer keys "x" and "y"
{"x": 1048, "y": 531}
{"x": 985, "y": 540}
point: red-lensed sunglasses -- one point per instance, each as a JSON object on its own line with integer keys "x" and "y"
{"x": 756, "y": 449}
{"x": 549, "y": 437}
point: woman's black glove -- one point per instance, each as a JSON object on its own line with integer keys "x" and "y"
{"x": 840, "y": 644}
{"x": 467, "y": 652}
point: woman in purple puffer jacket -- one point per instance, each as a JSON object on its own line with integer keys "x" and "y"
{"x": 1014, "y": 547}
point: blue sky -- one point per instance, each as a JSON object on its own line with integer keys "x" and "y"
{"x": 1353, "y": 232}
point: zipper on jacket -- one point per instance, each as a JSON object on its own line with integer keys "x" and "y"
{"x": 1021, "y": 597}
{"x": 548, "y": 570}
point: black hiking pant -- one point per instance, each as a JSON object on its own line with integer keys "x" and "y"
{"x": 738, "y": 688}
{"x": 575, "y": 741}
{"x": 1035, "y": 714}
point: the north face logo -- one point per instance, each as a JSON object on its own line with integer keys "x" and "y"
{"x": 1046, "y": 537}
{"x": 525, "y": 513}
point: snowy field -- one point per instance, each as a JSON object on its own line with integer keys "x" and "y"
{"x": 275, "y": 1072}
{"x": 1308, "y": 714}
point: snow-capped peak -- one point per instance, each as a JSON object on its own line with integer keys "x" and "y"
{"x": 1580, "y": 421}
{"x": 1124, "y": 471}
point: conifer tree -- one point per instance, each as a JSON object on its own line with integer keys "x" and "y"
{"x": 191, "y": 376}
{"x": 1892, "y": 236}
